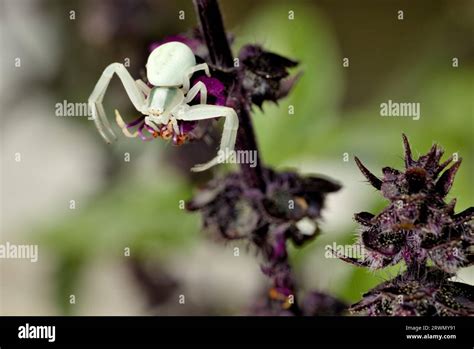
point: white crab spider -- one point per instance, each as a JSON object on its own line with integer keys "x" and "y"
{"x": 169, "y": 69}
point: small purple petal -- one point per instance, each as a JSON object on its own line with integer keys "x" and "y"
{"x": 149, "y": 128}
{"x": 284, "y": 291}
{"x": 187, "y": 126}
{"x": 214, "y": 87}
{"x": 279, "y": 250}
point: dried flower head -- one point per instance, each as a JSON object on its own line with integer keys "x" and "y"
{"x": 265, "y": 74}
{"x": 289, "y": 209}
{"x": 291, "y": 202}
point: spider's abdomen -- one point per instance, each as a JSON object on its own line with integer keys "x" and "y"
{"x": 167, "y": 64}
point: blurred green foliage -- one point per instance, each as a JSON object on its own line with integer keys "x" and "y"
{"x": 146, "y": 217}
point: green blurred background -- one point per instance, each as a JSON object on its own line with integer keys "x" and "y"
{"x": 128, "y": 247}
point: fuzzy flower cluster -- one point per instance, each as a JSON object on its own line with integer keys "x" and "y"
{"x": 288, "y": 210}
{"x": 421, "y": 229}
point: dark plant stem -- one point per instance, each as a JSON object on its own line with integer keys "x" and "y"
{"x": 214, "y": 34}
{"x": 212, "y": 28}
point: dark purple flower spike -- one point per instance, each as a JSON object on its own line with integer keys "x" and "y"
{"x": 419, "y": 228}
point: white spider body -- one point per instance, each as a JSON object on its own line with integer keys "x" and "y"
{"x": 169, "y": 68}
{"x": 166, "y": 64}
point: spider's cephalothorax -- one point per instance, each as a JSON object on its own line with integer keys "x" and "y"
{"x": 165, "y": 107}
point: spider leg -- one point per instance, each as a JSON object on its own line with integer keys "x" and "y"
{"x": 118, "y": 118}
{"x": 174, "y": 123}
{"x": 188, "y": 73}
{"x": 97, "y": 96}
{"x": 143, "y": 87}
{"x": 229, "y": 132}
{"x": 123, "y": 125}
{"x": 151, "y": 121}
{"x": 199, "y": 87}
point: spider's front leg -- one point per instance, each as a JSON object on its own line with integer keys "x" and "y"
{"x": 134, "y": 92}
{"x": 188, "y": 73}
{"x": 146, "y": 90}
{"x": 229, "y": 132}
{"x": 199, "y": 87}
{"x": 143, "y": 87}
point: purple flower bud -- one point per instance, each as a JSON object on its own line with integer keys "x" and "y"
{"x": 265, "y": 74}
